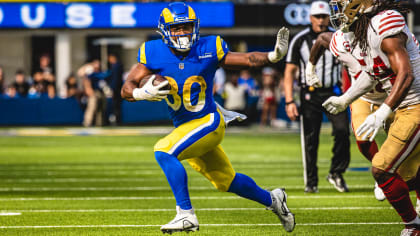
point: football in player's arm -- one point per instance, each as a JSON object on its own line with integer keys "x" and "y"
{"x": 189, "y": 62}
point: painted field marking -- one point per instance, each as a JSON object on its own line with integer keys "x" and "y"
{"x": 200, "y": 209}
{"x": 153, "y": 165}
{"x": 10, "y": 213}
{"x": 170, "y": 198}
{"x": 112, "y": 180}
{"x": 142, "y": 188}
{"x": 78, "y": 180}
{"x": 210, "y": 225}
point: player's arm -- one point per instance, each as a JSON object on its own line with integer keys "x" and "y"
{"x": 322, "y": 42}
{"x": 394, "y": 48}
{"x": 133, "y": 79}
{"x": 289, "y": 76}
{"x": 236, "y": 60}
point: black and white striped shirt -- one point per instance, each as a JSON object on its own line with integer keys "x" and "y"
{"x": 327, "y": 68}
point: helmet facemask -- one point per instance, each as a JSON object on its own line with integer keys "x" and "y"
{"x": 346, "y": 12}
{"x": 178, "y": 13}
{"x": 180, "y": 42}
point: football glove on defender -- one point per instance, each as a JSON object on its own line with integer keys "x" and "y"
{"x": 282, "y": 44}
{"x": 373, "y": 122}
{"x": 335, "y": 105}
{"x": 311, "y": 77}
{"x": 151, "y": 92}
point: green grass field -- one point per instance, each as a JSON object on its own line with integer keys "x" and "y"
{"x": 104, "y": 185}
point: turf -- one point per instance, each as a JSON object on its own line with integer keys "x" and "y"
{"x": 92, "y": 185}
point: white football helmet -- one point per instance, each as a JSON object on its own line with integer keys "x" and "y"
{"x": 345, "y": 12}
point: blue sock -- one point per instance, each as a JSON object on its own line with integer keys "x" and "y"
{"x": 177, "y": 178}
{"x": 246, "y": 187}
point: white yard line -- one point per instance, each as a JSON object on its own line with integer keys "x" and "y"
{"x": 79, "y": 180}
{"x": 133, "y": 167}
{"x": 142, "y": 188}
{"x": 112, "y": 180}
{"x": 54, "y": 173}
{"x": 198, "y": 209}
{"x": 10, "y": 213}
{"x": 343, "y": 196}
{"x": 209, "y": 225}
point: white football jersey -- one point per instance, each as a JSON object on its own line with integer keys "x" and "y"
{"x": 340, "y": 46}
{"x": 376, "y": 63}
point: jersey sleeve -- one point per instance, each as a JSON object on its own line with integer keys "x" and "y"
{"x": 388, "y": 23}
{"x": 340, "y": 47}
{"x": 141, "y": 56}
{"x": 221, "y": 48}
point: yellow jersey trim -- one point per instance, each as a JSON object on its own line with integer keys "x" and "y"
{"x": 219, "y": 49}
{"x": 143, "y": 54}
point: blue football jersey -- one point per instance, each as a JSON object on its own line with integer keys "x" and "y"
{"x": 191, "y": 78}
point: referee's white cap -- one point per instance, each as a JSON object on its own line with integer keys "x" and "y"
{"x": 319, "y": 8}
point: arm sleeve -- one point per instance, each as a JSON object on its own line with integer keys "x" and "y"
{"x": 363, "y": 84}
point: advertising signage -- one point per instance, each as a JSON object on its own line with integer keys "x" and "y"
{"x": 105, "y": 15}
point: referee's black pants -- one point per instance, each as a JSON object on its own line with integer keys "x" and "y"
{"x": 311, "y": 117}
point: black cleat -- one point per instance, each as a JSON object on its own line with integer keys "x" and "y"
{"x": 337, "y": 180}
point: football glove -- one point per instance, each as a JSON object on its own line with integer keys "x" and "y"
{"x": 373, "y": 122}
{"x": 311, "y": 76}
{"x": 335, "y": 105}
{"x": 282, "y": 44}
{"x": 151, "y": 92}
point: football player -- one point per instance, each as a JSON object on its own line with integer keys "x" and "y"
{"x": 339, "y": 45}
{"x": 384, "y": 46}
{"x": 189, "y": 62}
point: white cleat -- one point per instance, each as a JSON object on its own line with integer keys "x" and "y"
{"x": 379, "y": 194}
{"x": 418, "y": 207}
{"x": 185, "y": 220}
{"x": 279, "y": 208}
{"x": 410, "y": 231}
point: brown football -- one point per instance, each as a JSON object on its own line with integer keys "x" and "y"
{"x": 159, "y": 79}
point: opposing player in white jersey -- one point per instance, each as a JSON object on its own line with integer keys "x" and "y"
{"x": 384, "y": 46}
{"x": 339, "y": 45}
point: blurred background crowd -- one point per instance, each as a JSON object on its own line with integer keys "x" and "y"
{"x": 67, "y": 66}
{"x": 258, "y": 94}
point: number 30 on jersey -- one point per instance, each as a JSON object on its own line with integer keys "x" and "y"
{"x": 186, "y": 94}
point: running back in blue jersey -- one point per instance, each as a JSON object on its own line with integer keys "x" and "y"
{"x": 191, "y": 78}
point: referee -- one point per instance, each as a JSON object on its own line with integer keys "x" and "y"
{"x": 310, "y": 111}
